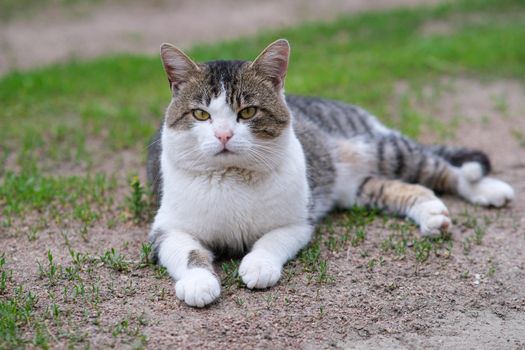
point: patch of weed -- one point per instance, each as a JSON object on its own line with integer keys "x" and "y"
{"x": 160, "y": 272}
{"x": 114, "y": 260}
{"x": 5, "y": 275}
{"x": 422, "y": 249}
{"x": 16, "y": 312}
{"x": 231, "y": 274}
{"x": 519, "y": 136}
{"x": 479, "y": 233}
{"x": 52, "y": 271}
{"x": 146, "y": 252}
{"x": 359, "y": 236}
{"x": 323, "y": 276}
{"x": 137, "y": 201}
{"x": 309, "y": 256}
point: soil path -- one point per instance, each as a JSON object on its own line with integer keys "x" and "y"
{"x": 82, "y": 31}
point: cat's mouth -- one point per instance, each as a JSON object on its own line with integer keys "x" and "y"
{"x": 224, "y": 151}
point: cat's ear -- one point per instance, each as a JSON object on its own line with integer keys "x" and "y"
{"x": 273, "y": 62}
{"x": 178, "y": 66}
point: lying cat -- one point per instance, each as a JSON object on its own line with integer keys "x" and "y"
{"x": 239, "y": 168}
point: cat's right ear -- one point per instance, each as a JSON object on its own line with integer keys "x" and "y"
{"x": 178, "y": 66}
{"x": 272, "y": 63}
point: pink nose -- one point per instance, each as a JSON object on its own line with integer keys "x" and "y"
{"x": 224, "y": 136}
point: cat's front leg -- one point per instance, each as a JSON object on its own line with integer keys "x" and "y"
{"x": 196, "y": 283}
{"x": 261, "y": 268}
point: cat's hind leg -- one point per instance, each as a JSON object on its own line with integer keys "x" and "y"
{"x": 356, "y": 185}
{"x": 455, "y": 170}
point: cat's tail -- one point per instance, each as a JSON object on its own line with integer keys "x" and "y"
{"x": 457, "y": 156}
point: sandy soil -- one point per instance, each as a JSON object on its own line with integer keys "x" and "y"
{"x": 56, "y": 34}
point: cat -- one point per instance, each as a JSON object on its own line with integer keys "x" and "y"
{"x": 238, "y": 168}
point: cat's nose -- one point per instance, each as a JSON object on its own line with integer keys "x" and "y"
{"x": 224, "y": 136}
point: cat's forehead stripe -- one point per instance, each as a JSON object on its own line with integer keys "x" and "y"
{"x": 223, "y": 76}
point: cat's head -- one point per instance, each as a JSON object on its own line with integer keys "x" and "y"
{"x": 227, "y": 113}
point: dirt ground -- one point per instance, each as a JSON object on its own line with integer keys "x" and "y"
{"x": 467, "y": 295}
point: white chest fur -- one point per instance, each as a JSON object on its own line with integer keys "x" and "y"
{"x": 231, "y": 208}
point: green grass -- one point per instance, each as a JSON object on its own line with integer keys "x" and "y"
{"x": 58, "y": 199}
{"x": 231, "y": 274}
{"x": 54, "y": 115}
{"x": 16, "y": 312}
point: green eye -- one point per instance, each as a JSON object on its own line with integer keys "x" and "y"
{"x": 201, "y": 115}
{"x": 247, "y": 113}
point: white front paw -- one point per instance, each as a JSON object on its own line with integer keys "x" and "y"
{"x": 487, "y": 192}
{"x": 432, "y": 217}
{"x": 260, "y": 270}
{"x": 198, "y": 288}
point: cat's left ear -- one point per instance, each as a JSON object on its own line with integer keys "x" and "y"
{"x": 273, "y": 62}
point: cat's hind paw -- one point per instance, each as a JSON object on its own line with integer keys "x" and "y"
{"x": 259, "y": 270}
{"x": 199, "y": 288}
{"x": 472, "y": 171}
{"x": 487, "y": 192}
{"x": 432, "y": 217}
